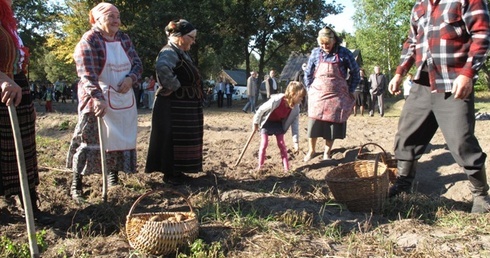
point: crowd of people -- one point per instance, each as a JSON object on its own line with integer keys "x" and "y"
{"x": 438, "y": 94}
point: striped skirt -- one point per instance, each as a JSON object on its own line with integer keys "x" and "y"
{"x": 176, "y": 139}
{"x": 9, "y": 172}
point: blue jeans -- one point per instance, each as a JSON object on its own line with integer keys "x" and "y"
{"x": 250, "y": 103}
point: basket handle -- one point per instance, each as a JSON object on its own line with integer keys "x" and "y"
{"x": 159, "y": 190}
{"x": 376, "y": 164}
{"x": 371, "y": 143}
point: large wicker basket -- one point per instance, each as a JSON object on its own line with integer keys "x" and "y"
{"x": 161, "y": 233}
{"x": 371, "y": 155}
{"x": 385, "y": 157}
{"x": 361, "y": 185}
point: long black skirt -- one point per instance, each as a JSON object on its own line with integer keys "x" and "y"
{"x": 176, "y": 139}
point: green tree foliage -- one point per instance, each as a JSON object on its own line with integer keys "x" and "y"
{"x": 285, "y": 25}
{"x": 483, "y": 82}
{"x": 143, "y": 20}
{"x": 60, "y": 44}
{"x": 35, "y": 18}
{"x": 247, "y": 34}
{"x": 229, "y": 31}
{"x": 381, "y": 28}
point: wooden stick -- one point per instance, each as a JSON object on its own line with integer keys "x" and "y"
{"x": 55, "y": 169}
{"x": 24, "y": 184}
{"x": 245, "y": 147}
{"x": 103, "y": 159}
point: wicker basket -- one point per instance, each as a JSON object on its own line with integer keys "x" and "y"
{"x": 370, "y": 155}
{"x": 360, "y": 185}
{"x": 160, "y": 233}
{"x": 385, "y": 157}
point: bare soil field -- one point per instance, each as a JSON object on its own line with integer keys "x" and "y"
{"x": 245, "y": 213}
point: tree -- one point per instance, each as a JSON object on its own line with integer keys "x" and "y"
{"x": 271, "y": 29}
{"x": 60, "y": 44}
{"x": 143, "y": 20}
{"x": 35, "y": 18}
{"x": 484, "y": 75}
{"x": 229, "y": 31}
{"x": 381, "y": 28}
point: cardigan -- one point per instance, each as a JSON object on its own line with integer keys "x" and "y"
{"x": 264, "y": 111}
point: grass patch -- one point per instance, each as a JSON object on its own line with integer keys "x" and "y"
{"x": 9, "y": 248}
{"x": 199, "y": 249}
{"x": 51, "y": 152}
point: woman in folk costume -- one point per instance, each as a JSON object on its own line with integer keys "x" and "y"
{"x": 176, "y": 139}
{"x": 14, "y": 89}
{"x": 108, "y": 66}
{"x": 330, "y": 95}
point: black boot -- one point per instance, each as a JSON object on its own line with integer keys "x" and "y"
{"x": 76, "y": 188}
{"x": 39, "y": 216}
{"x": 404, "y": 178}
{"x": 479, "y": 189}
{"x": 33, "y": 195}
{"x": 112, "y": 179}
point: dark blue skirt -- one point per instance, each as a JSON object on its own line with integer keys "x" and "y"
{"x": 272, "y": 128}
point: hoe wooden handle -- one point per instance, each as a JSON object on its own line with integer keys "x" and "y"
{"x": 103, "y": 158}
{"x": 245, "y": 147}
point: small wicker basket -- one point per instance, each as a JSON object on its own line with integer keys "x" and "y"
{"x": 160, "y": 233}
{"x": 361, "y": 185}
{"x": 385, "y": 157}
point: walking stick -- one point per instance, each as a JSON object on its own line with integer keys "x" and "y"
{"x": 245, "y": 147}
{"x": 103, "y": 158}
{"x": 24, "y": 185}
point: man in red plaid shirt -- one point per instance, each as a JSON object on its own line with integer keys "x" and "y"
{"x": 448, "y": 42}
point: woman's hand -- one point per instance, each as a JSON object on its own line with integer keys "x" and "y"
{"x": 256, "y": 127}
{"x": 164, "y": 92}
{"x": 99, "y": 107}
{"x": 125, "y": 85}
{"x": 11, "y": 93}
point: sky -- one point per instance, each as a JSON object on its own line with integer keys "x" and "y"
{"x": 344, "y": 20}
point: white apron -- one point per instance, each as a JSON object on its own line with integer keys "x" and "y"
{"x": 121, "y": 118}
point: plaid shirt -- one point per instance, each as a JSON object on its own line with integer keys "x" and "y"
{"x": 447, "y": 39}
{"x": 89, "y": 58}
{"x": 347, "y": 61}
